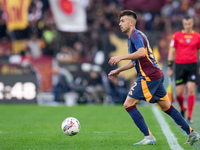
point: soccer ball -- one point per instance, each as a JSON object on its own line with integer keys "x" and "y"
{"x": 71, "y": 126}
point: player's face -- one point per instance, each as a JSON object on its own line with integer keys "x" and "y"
{"x": 188, "y": 25}
{"x": 125, "y": 23}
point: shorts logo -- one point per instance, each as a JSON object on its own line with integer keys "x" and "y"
{"x": 193, "y": 77}
{"x": 179, "y": 81}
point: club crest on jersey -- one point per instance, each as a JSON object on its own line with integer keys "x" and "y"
{"x": 188, "y": 40}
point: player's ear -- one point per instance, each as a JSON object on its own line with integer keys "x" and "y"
{"x": 192, "y": 22}
{"x": 133, "y": 22}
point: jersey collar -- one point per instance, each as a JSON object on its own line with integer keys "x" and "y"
{"x": 183, "y": 31}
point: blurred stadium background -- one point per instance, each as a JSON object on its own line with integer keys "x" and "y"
{"x": 56, "y": 52}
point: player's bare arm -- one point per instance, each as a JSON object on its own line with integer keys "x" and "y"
{"x": 172, "y": 54}
{"x": 138, "y": 54}
{"x": 171, "y": 58}
{"x": 115, "y": 72}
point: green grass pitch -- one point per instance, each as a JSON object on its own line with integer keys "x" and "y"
{"x": 32, "y": 127}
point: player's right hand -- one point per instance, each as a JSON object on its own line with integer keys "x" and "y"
{"x": 170, "y": 72}
{"x": 114, "y": 60}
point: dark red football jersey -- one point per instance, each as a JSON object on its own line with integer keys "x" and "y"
{"x": 186, "y": 46}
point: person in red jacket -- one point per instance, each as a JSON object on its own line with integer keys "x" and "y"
{"x": 183, "y": 50}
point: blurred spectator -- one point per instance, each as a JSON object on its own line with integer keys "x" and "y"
{"x": 35, "y": 48}
{"x": 95, "y": 87}
{"x": 62, "y": 82}
{"x": 158, "y": 23}
{"x": 26, "y": 55}
{"x": 27, "y": 69}
{"x": 50, "y": 36}
{"x": 118, "y": 90}
{"x": 80, "y": 84}
{"x": 79, "y": 51}
{"x": 66, "y": 55}
{"x": 35, "y": 11}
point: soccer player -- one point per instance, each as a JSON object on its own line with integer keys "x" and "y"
{"x": 183, "y": 49}
{"x": 149, "y": 84}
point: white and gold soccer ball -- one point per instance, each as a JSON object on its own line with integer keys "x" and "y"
{"x": 71, "y": 126}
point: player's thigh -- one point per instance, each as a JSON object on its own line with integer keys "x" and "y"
{"x": 130, "y": 102}
{"x": 180, "y": 74}
{"x": 191, "y": 78}
{"x": 164, "y": 104}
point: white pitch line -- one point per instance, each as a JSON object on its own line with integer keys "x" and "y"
{"x": 171, "y": 139}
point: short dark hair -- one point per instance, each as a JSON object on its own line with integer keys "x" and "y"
{"x": 128, "y": 13}
{"x": 187, "y": 17}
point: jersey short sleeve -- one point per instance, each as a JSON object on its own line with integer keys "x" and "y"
{"x": 173, "y": 41}
{"x": 137, "y": 41}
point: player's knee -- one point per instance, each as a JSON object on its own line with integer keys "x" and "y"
{"x": 128, "y": 104}
{"x": 164, "y": 105}
{"x": 165, "y": 108}
{"x": 191, "y": 92}
{"x": 178, "y": 95}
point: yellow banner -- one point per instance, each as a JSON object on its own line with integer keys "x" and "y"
{"x": 16, "y": 13}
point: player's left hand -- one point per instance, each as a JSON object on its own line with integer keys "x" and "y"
{"x": 113, "y": 74}
{"x": 114, "y": 60}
